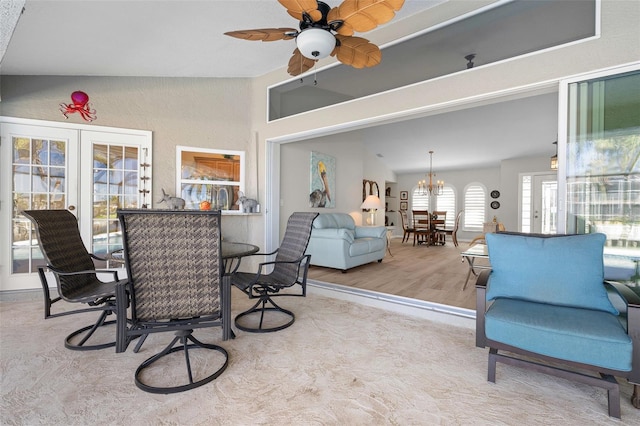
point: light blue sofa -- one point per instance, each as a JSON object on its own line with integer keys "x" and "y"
{"x": 545, "y": 298}
{"x": 336, "y": 242}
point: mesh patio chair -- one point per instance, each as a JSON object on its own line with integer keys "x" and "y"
{"x": 290, "y": 267}
{"x": 175, "y": 269}
{"x": 75, "y": 273}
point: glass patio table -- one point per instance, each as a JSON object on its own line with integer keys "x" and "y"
{"x": 477, "y": 251}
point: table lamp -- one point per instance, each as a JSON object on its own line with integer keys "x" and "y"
{"x": 371, "y": 203}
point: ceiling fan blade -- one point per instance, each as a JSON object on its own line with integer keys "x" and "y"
{"x": 299, "y": 64}
{"x": 265, "y": 34}
{"x": 357, "y": 52}
{"x": 362, "y": 15}
{"x": 296, "y": 8}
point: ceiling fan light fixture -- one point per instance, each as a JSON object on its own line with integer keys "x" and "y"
{"x": 315, "y": 43}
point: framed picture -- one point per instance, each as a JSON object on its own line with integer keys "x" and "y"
{"x": 404, "y": 195}
{"x": 322, "y": 181}
{"x": 404, "y": 205}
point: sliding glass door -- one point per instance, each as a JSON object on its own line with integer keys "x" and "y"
{"x": 602, "y": 160}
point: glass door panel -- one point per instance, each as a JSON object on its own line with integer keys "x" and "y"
{"x": 36, "y": 167}
{"x": 603, "y": 161}
{"x": 118, "y": 180}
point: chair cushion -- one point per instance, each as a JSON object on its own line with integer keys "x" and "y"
{"x": 587, "y": 336}
{"x": 564, "y": 270}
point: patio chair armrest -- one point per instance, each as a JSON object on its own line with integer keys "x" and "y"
{"x": 629, "y": 296}
{"x": 86, "y": 272}
{"x": 483, "y": 278}
{"x": 481, "y": 306}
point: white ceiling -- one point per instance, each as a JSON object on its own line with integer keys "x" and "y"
{"x": 185, "y": 39}
{"x": 178, "y": 38}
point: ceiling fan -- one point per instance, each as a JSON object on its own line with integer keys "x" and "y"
{"x": 328, "y": 31}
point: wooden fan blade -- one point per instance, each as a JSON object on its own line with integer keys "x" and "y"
{"x": 265, "y": 34}
{"x": 363, "y": 15}
{"x": 297, "y": 7}
{"x": 299, "y": 64}
{"x": 357, "y": 52}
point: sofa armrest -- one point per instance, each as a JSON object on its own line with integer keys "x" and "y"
{"x": 333, "y": 234}
{"x": 481, "y": 307}
{"x": 370, "y": 231}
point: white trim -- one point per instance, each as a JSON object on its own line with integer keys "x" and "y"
{"x": 597, "y": 35}
{"x": 73, "y": 126}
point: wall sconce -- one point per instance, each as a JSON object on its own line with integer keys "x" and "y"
{"x": 554, "y": 158}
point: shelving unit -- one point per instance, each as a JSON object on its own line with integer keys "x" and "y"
{"x": 391, "y": 213}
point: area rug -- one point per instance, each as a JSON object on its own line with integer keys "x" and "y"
{"x": 341, "y": 363}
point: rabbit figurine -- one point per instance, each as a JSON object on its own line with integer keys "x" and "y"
{"x": 174, "y": 203}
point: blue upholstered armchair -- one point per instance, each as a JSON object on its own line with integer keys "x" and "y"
{"x": 545, "y": 298}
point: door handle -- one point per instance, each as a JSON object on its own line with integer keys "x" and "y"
{"x": 72, "y": 208}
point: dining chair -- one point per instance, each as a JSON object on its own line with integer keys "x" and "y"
{"x": 406, "y": 227}
{"x": 439, "y": 221}
{"x": 453, "y": 231}
{"x": 422, "y": 227}
{"x": 177, "y": 283}
{"x": 75, "y": 274}
{"x": 290, "y": 267}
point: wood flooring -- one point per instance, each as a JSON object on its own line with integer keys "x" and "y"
{"x": 431, "y": 273}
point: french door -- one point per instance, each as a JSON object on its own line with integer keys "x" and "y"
{"x": 89, "y": 170}
{"x": 545, "y": 203}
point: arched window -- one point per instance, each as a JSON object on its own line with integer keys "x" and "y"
{"x": 447, "y": 202}
{"x": 474, "y": 207}
{"x": 419, "y": 201}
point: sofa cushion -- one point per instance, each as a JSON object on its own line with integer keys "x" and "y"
{"x": 581, "y": 335}
{"x": 362, "y": 246}
{"x": 334, "y": 220}
{"x": 371, "y": 231}
{"x": 564, "y": 270}
{"x": 333, "y": 233}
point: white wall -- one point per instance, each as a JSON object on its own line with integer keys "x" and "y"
{"x": 198, "y": 112}
{"x": 352, "y": 165}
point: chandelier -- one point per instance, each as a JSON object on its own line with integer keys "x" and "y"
{"x": 430, "y": 189}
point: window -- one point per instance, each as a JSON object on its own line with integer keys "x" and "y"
{"x": 419, "y": 201}
{"x": 447, "y": 202}
{"x": 474, "y": 207}
{"x": 526, "y": 201}
{"x": 210, "y": 175}
{"x": 411, "y": 61}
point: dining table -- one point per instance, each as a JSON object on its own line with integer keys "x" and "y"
{"x": 233, "y": 252}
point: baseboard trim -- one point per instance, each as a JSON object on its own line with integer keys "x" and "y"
{"x": 420, "y": 308}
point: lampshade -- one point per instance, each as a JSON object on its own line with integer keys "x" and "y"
{"x": 371, "y": 202}
{"x": 315, "y": 43}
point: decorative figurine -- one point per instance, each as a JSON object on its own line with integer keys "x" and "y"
{"x": 80, "y": 104}
{"x": 174, "y": 203}
{"x": 247, "y": 205}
